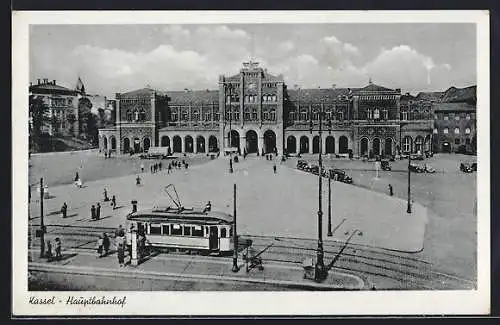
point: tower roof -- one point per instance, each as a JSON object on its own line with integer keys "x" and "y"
{"x": 80, "y": 87}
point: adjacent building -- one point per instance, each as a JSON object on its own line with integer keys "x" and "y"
{"x": 253, "y": 111}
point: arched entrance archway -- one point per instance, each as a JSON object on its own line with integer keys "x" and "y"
{"x": 212, "y": 144}
{"x": 113, "y": 143}
{"x": 291, "y": 144}
{"x": 252, "y": 141}
{"x": 146, "y": 144}
{"x": 137, "y": 145}
{"x": 343, "y": 144}
{"x": 330, "y": 144}
{"x": 304, "y": 144}
{"x": 376, "y": 146}
{"x": 200, "y": 144}
{"x": 105, "y": 143}
{"x": 126, "y": 145}
{"x": 446, "y": 147}
{"x": 269, "y": 141}
{"x": 177, "y": 144}
{"x": 234, "y": 139}
{"x": 188, "y": 143}
{"x": 388, "y": 146}
{"x": 316, "y": 144}
{"x": 363, "y": 147}
{"x": 419, "y": 141}
{"x": 165, "y": 141}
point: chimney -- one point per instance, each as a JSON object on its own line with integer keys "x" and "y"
{"x": 54, "y": 82}
{"x": 38, "y": 80}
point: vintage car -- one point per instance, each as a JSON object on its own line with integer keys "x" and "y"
{"x": 384, "y": 164}
{"x": 473, "y": 166}
{"x": 416, "y": 168}
{"x": 466, "y": 168}
{"x": 340, "y": 175}
{"x": 301, "y": 164}
{"x": 429, "y": 169}
{"x": 314, "y": 169}
{"x": 417, "y": 156}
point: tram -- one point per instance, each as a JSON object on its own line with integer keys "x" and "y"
{"x": 187, "y": 229}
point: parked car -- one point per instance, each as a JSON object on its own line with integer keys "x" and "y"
{"x": 417, "y": 156}
{"x": 340, "y": 175}
{"x": 466, "y": 168}
{"x": 429, "y": 169}
{"x": 473, "y": 166}
{"x": 301, "y": 164}
{"x": 314, "y": 169}
{"x": 384, "y": 164}
{"x": 416, "y": 168}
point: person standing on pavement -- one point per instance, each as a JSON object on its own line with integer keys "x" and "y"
{"x": 274, "y": 168}
{"x": 92, "y": 212}
{"x": 138, "y": 180}
{"x": 64, "y": 210}
{"x": 142, "y": 167}
{"x": 105, "y": 243}
{"x": 49, "y": 250}
{"x": 98, "y": 211}
{"x": 58, "y": 248}
{"x": 169, "y": 168}
{"x": 113, "y": 202}
{"x": 391, "y": 193}
{"x": 100, "y": 242}
{"x": 159, "y": 165}
{"x": 106, "y": 198}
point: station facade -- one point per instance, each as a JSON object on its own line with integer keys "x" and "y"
{"x": 254, "y": 112}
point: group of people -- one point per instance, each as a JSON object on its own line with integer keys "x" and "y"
{"x": 103, "y": 244}
{"x": 95, "y": 212}
{"x": 155, "y": 167}
{"x": 124, "y": 244}
{"x": 58, "y": 248}
{"x": 106, "y": 199}
{"x": 107, "y": 154}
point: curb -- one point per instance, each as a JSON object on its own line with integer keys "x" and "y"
{"x": 150, "y": 275}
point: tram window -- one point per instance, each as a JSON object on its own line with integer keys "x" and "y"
{"x": 231, "y": 232}
{"x": 187, "y": 230}
{"x": 166, "y": 229}
{"x": 197, "y": 231}
{"x": 155, "y": 229}
{"x": 176, "y": 230}
{"x": 223, "y": 233}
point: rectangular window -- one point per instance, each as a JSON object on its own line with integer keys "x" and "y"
{"x": 187, "y": 230}
{"x": 155, "y": 229}
{"x": 197, "y": 231}
{"x": 166, "y": 229}
{"x": 404, "y": 116}
{"x": 207, "y": 116}
{"x": 176, "y": 230}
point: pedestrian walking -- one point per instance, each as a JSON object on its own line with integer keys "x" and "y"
{"x": 77, "y": 177}
{"x": 98, "y": 211}
{"x": 105, "y": 154}
{"x": 58, "y": 248}
{"x": 391, "y": 193}
{"x": 142, "y": 167}
{"x": 120, "y": 232}
{"x": 274, "y": 168}
{"x": 64, "y": 210}
{"x": 106, "y": 198}
{"x": 48, "y": 253}
{"x": 159, "y": 165}
{"x": 186, "y": 165}
{"x": 113, "y": 202}
{"x": 93, "y": 212}
{"x": 105, "y": 243}
{"x": 138, "y": 180}
{"x": 151, "y": 168}
{"x": 169, "y": 168}
{"x": 100, "y": 242}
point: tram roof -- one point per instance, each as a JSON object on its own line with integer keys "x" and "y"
{"x": 185, "y": 214}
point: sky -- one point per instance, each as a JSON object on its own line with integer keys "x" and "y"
{"x": 121, "y": 58}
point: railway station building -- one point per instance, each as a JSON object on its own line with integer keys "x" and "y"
{"x": 254, "y": 111}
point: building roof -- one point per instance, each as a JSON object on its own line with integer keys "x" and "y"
{"x": 432, "y": 96}
{"x": 194, "y": 97}
{"x": 454, "y": 106}
{"x": 139, "y": 93}
{"x": 52, "y": 88}
{"x": 316, "y": 94}
{"x": 373, "y": 88}
{"x": 454, "y": 94}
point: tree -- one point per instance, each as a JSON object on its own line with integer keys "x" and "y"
{"x": 71, "y": 118}
{"x": 39, "y": 117}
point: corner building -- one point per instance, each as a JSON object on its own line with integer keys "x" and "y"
{"x": 254, "y": 111}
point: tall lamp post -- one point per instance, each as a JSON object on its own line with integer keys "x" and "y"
{"x": 230, "y": 88}
{"x": 42, "y": 226}
{"x": 408, "y": 208}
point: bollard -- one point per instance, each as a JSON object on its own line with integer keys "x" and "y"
{"x": 134, "y": 206}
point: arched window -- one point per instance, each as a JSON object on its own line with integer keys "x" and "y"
{"x": 254, "y": 114}
{"x": 142, "y": 115}
{"x": 457, "y": 131}
{"x": 174, "y": 115}
{"x": 315, "y": 115}
{"x": 303, "y": 114}
{"x": 265, "y": 114}
{"x": 292, "y": 115}
{"x": 272, "y": 114}
{"x": 467, "y": 131}
{"x": 246, "y": 114}
{"x": 185, "y": 115}
{"x": 196, "y": 115}
{"x": 274, "y": 98}
{"x": 376, "y": 114}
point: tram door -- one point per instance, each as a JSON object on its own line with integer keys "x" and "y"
{"x": 213, "y": 239}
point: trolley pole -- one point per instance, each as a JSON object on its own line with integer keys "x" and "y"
{"x": 235, "y": 235}
{"x": 329, "y": 207}
{"x": 42, "y": 226}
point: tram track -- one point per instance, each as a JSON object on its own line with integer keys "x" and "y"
{"x": 375, "y": 264}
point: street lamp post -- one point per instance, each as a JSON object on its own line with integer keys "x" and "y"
{"x": 42, "y": 226}
{"x": 408, "y": 208}
{"x": 330, "y": 234}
